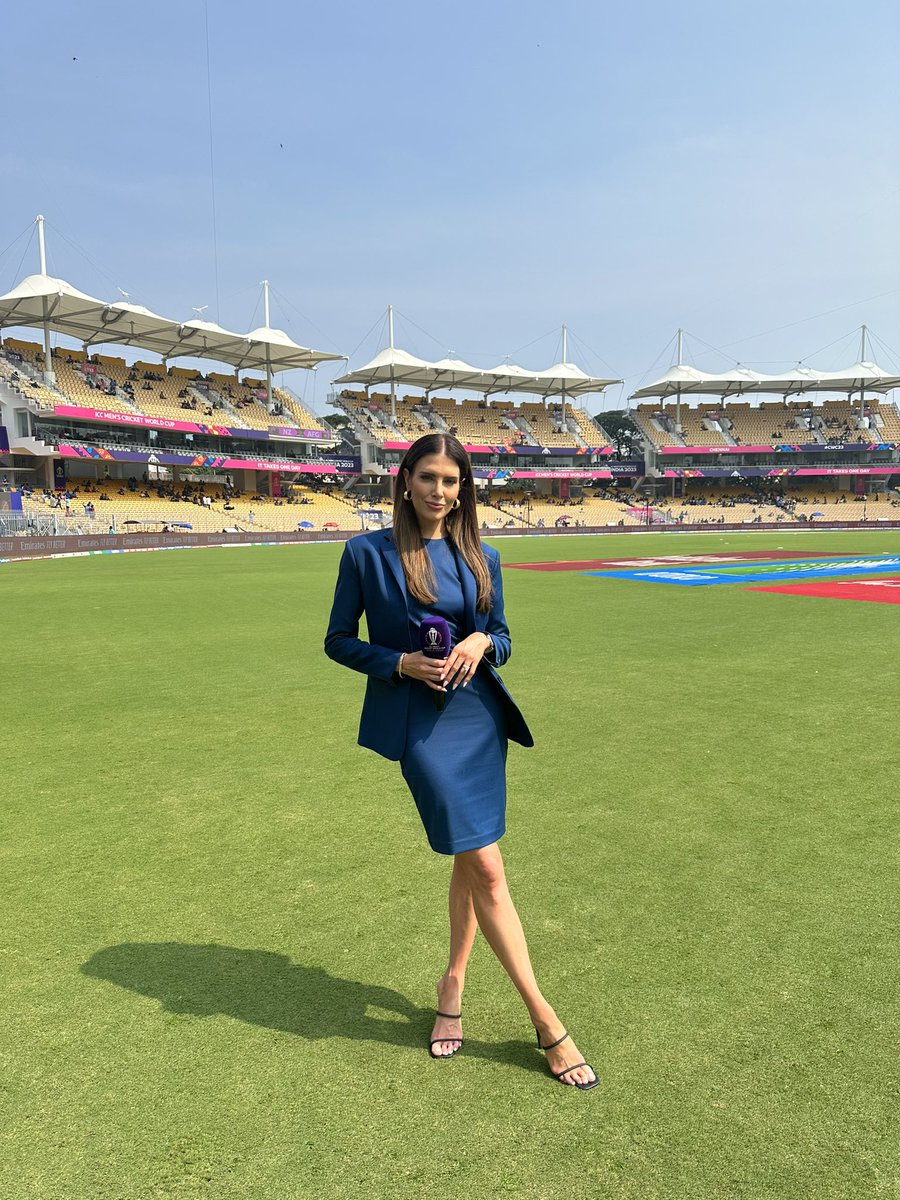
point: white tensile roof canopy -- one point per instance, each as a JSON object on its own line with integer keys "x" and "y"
{"x": 392, "y": 366}
{"x": 688, "y": 381}
{"x": 42, "y": 300}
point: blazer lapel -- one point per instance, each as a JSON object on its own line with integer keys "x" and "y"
{"x": 392, "y": 558}
{"x": 469, "y": 589}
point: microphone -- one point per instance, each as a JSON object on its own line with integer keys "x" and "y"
{"x": 434, "y": 642}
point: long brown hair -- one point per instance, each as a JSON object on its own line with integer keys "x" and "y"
{"x": 460, "y": 524}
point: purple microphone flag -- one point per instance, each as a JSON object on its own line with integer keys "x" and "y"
{"x": 434, "y": 639}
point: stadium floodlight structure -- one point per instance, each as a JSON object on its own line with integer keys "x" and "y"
{"x": 681, "y": 380}
{"x": 393, "y": 366}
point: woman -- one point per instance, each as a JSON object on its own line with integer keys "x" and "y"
{"x": 453, "y": 757}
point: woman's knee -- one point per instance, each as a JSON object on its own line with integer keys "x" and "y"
{"x": 483, "y": 869}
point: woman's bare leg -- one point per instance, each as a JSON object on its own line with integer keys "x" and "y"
{"x": 463, "y": 928}
{"x": 499, "y": 922}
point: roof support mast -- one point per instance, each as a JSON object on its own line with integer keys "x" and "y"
{"x": 270, "y": 399}
{"x": 862, "y": 386}
{"x": 562, "y": 415}
{"x": 680, "y": 336}
{"x": 49, "y": 376}
{"x": 393, "y": 381}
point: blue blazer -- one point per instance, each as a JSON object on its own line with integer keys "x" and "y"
{"x": 371, "y": 581}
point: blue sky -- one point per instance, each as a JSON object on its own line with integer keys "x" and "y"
{"x": 491, "y": 169}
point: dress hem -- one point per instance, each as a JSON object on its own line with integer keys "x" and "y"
{"x": 475, "y": 843}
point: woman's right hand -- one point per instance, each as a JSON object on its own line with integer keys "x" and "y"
{"x": 428, "y": 670}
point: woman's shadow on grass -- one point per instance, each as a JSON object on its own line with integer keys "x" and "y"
{"x": 267, "y": 989}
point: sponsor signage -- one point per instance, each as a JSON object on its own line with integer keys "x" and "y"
{"x": 144, "y": 421}
{"x": 774, "y": 472}
{"x": 564, "y": 450}
{"x": 287, "y": 431}
{"x": 564, "y": 474}
{"x": 4, "y": 440}
{"x": 322, "y": 466}
{"x": 533, "y": 451}
{"x": 140, "y": 420}
{"x": 782, "y": 448}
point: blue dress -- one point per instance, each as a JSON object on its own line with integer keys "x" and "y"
{"x": 455, "y": 760}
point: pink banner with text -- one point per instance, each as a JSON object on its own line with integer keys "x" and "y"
{"x": 138, "y": 419}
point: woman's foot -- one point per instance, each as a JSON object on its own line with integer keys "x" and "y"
{"x": 446, "y": 1036}
{"x": 566, "y": 1054}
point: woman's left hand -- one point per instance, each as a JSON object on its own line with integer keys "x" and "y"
{"x": 463, "y": 659}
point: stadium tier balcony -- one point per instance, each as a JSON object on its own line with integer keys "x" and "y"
{"x": 588, "y": 429}
{"x": 22, "y": 366}
{"x": 479, "y": 424}
{"x": 772, "y": 422}
{"x": 320, "y": 508}
{"x": 27, "y": 387}
{"x": 593, "y": 511}
{"x": 247, "y": 400}
{"x": 149, "y": 389}
{"x": 838, "y": 420}
{"x": 653, "y": 422}
{"x": 701, "y": 426}
{"x": 547, "y": 426}
{"x": 886, "y": 422}
{"x": 476, "y": 423}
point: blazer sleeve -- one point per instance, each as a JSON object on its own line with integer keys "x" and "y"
{"x": 342, "y": 641}
{"x": 496, "y": 619}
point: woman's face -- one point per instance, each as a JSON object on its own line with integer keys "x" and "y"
{"x": 433, "y": 484}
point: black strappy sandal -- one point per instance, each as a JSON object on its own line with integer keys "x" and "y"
{"x": 435, "y": 1041}
{"x": 582, "y": 1087}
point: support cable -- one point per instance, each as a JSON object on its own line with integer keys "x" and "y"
{"x": 409, "y": 321}
{"x": 815, "y": 317}
{"x": 101, "y": 270}
{"x": 891, "y": 354}
{"x": 24, "y": 252}
{"x": 29, "y": 226}
{"x": 284, "y": 301}
{"x": 212, "y": 170}
{"x": 534, "y": 342}
{"x": 843, "y": 338}
{"x": 378, "y": 321}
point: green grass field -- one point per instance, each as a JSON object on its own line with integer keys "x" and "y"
{"x": 222, "y": 925}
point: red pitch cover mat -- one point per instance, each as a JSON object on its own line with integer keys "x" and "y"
{"x": 881, "y": 591}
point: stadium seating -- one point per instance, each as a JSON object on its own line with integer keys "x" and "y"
{"x": 700, "y": 426}
{"x": 771, "y": 422}
{"x": 886, "y": 422}
{"x": 316, "y": 506}
{"x": 800, "y": 502}
{"x": 27, "y": 386}
{"x": 653, "y": 423}
{"x": 479, "y": 423}
{"x": 148, "y": 388}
